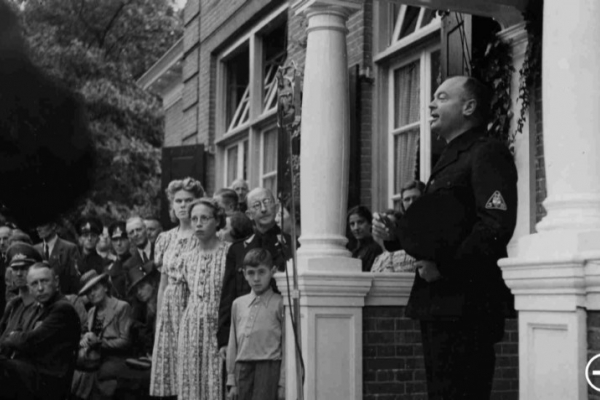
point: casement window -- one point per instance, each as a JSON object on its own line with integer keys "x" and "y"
{"x": 246, "y": 134}
{"x": 408, "y": 61}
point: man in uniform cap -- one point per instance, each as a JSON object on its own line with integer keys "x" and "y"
{"x": 459, "y": 294}
{"x": 20, "y": 257}
{"x": 89, "y": 230}
{"x": 116, "y": 270}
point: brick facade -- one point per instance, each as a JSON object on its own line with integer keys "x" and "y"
{"x": 393, "y": 367}
{"x": 173, "y": 124}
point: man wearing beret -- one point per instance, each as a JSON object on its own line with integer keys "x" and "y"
{"x": 459, "y": 295}
{"x": 116, "y": 270}
{"x": 20, "y": 257}
{"x": 89, "y": 230}
{"x": 63, "y": 256}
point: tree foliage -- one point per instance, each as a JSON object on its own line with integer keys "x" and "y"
{"x": 98, "y": 48}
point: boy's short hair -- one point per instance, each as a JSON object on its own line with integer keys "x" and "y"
{"x": 256, "y": 257}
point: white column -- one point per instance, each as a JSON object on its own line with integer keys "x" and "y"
{"x": 331, "y": 285}
{"x": 555, "y": 273}
{"x": 325, "y": 144}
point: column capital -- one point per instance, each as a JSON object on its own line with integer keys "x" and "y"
{"x": 516, "y": 36}
{"x": 341, "y": 6}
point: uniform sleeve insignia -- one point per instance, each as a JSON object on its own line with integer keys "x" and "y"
{"x": 496, "y": 202}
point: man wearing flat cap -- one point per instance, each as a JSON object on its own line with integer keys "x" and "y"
{"x": 459, "y": 295}
{"x": 89, "y": 230}
{"x": 116, "y": 270}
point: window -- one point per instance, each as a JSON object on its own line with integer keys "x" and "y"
{"x": 409, "y": 65}
{"x": 269, "y": 159}
{"x": 412, "y": 84}
{"x": 247, "y": 103}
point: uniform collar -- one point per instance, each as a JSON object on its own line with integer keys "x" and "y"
{"x": 466, "y": 139}
{"x": 263, "y": 298}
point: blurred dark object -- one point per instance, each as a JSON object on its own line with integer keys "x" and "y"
{"x": 434, "y": 226}
{"x": 46, "y": 152}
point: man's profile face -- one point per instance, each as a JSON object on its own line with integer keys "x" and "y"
{"x": 136, "y": 231}
{"x": 447, "y": 107}
{"x": 42, "y": 284}
{"x": 153, "y": 228}
{"x": 5, "y": 233}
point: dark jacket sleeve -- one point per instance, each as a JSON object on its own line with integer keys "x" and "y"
{"x": 493, "y": 172}
{"x": 228, "y": 295}
{"x": 52, "y": 329}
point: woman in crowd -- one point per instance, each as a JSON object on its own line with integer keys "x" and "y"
{"x": 398, "y": 261}
{"x": 199, "y": 364}
{"x": 172, "y": 253}
{"x": 107, "y": 333}
{"x": 359, "y": 221}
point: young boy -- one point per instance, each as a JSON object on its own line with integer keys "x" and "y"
{"x": 255, "y": 351}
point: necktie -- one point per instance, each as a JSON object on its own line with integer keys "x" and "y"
{"x": 46, "y": 252}
{"x": 144, "y": 257}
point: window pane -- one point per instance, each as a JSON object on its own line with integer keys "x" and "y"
{"x": 428, "y": 16}
{"x": 409, "y": 24}
{"x": 269, "y": 151}
{"x": 238, "y": 77}
{"x": 271, "y": 183}
{"x": 437, "y": 144}
{"x": 406, "y": 149}
{"x": 275, "y": 55}
{"x": 245, "y": 156}
{"x": 232, "y": 158}
{"x": 406, "y": 95}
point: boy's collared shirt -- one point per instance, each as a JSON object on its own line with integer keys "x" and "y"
{"x": 256, "y": 330}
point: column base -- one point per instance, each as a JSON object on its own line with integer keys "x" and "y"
{"x": 331, "y": 334}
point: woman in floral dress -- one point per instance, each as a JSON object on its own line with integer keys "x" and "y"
{"x": 199, "y": 364}
{"x": 172, "y": 254}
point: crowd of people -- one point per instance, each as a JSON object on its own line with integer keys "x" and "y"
{"x": 130, "y": 311}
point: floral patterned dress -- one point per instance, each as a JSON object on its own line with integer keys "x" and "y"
{"x": 171, "y": 254}
{"x": 199, "y": 364}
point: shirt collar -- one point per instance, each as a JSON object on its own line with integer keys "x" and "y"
{"x": 52, "y": 241}
{"x": 263, "y": 298}
{"x": 146, "y": 249}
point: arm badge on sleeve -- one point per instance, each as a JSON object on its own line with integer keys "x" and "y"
{"x": 496, "y": 202}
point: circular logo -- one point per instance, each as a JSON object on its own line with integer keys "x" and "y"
{"x": 595, "y": 372}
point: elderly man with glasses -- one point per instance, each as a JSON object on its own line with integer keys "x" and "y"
{"x": 262, "y": 209}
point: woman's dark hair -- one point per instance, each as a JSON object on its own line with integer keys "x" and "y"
{"x": 256, "y": 257}
{"x": 218, "y": 212}
{"x": 361, "y": 211}
{"x": 241, "y": 226}
{"x": 416, "y": 184}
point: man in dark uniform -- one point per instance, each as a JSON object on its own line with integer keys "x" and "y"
{"x": 460, "y": 298}
{"x": 89, "y": 230}
{"x": 62, "y": 255}
{"x": 262, "y": 209}
{"x": 116, "y": 270}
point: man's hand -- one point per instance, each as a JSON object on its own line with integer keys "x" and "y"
{"x": 428, "y": 270}
{"x": 223, "y": 352}
{"x": 280, "y": 393}
{"x": 380, "y": 231}
{"x": 233, "y": 393}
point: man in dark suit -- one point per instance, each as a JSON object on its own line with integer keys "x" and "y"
{"x": 459, "y": 295}
{"x": 262, "y": 209}
{"x": 116, "y": 270}
{"x": 63, "y": 257}
{"x": 42, "y": 352}
{"x": 142, "y": 250}
{"x": 5, "y": 233}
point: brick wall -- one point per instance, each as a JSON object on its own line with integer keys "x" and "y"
{"x": 393, "y": 367}
{"x": 173, "y": 124}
